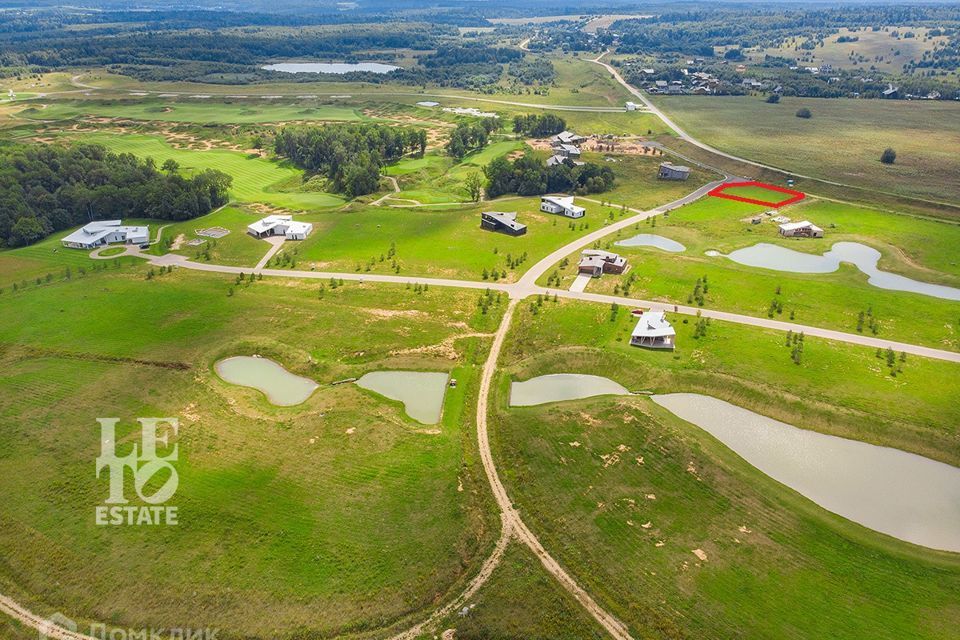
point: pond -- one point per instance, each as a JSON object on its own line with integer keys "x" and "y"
{"x": 898, "y": 493}
{"x": 330, "y": 67}
{"x": 652, "y": 240}
{"x": 420, "y": 392}
{"x": 771, "y": 256}
{"x": 562, "y": 386}
{"x": 281, "y": 387}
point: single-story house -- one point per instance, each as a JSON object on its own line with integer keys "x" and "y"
{"x": 631, "y": 106}
{"x": 653, "y": 331}
{"x": 568, "y": 137}
{"x": 280, "y": 225}
{"x": 505, "y": 222}
{"x": 558, "y": 159}
{"x": 670, "y": 171}
{"x": 595, "y": 263}
{"x": 103, "y": 232}
{"x": 802, "y": 229}
{"x": 562, "y": 205}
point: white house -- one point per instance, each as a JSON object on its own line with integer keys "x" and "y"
{"x": 803, "y": 229}
{"x": 653, "y": 331}
{"x": 103, "y": 232}
{"x": 562, "y": 205}
{"x": 280, "y": 225}
{"x": 631, "y": 106}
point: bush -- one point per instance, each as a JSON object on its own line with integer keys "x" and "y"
{"x": 803, "y": 112}
{"x": 773, "y": 98}
{"x": 889, "y": 156}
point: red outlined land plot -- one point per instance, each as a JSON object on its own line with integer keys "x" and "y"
{"x": 794, "y": 196}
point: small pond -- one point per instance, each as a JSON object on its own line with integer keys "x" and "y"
{"x": 898, "y": 493}
{"x": 330, "y": 67}
{"x": 652, "y": 240}
{"x": 281, "y": 387}
{"x": 562, "y": 386}
{"x": 771, "y": 256}
{"x": 420, "y": 392}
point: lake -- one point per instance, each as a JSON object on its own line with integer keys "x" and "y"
{"x": 420, "y": 392}
{"x": 562, "y": 386}
{"x": 771, "y": 256}
{"x": 652, "y": 240}
{"x": 330, "y": 67}
{"x": 898, "y": 493}
{"x": 281, "y": 387}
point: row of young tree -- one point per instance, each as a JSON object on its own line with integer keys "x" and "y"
{"x": 529, "y": 176}
{"x": 50, "y": 188}
{"x": 538, "y": 126}
{"x": 349, "y": 156}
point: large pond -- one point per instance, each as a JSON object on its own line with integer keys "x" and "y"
{"x": 562, "y": 386}
{"x": 771, "y": 256}
{"x": 330, "y": 67}
{"x": 652, "y": 240}
{"x": 281, "y": 387}
{"x": 420, "y": 392}
{"x": 898, "y": 493}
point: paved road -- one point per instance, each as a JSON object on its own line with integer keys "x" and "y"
{"x": 82, "y": 87}
{"x": 683, "y": 135}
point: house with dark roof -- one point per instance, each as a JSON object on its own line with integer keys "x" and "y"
{"x": 504, "y": 222}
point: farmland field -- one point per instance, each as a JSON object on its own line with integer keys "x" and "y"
{"x": 842, "y": 142}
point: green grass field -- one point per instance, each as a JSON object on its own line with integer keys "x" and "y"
{"x": 254, "y": 179}
{"x": 434, "y": 241}
{"x": 340, "y": 515}
{"x": 238, "y": 248}
{"x": 896, "y": 52}
{"x": 917, "y": 248}
{"x": 777, "y": 565}
{"x": 220, "y": 111}
{"x": 842, "y": 142}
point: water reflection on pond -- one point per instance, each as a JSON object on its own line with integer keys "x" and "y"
{"x": 281, "y": 387}
{"x": 561, "y": 386}
{"x": 898, "y": 493}
{"x": 420, "y": 392}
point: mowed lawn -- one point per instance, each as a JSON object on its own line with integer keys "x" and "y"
{"x": 622, "y": 492}
{"x": 337, "y": 515}
{"x": 842, "y": 142}
{"x": 436, "y": 241}
{"x": 255, "y": 179}
{"x": 916, "y": 248}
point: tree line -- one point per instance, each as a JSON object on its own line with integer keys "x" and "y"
{"x": 539, "y": 126}
{"x": 50, "y": 188}
{"x": 349, "y": 156}
{"x": 529, "y": 176}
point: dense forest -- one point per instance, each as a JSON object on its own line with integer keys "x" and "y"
{"x": 528, "y": 176}
{"x": 49, "y": 188}
{"x": 349, "y": 156}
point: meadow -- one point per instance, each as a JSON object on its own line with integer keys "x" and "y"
{"x": 622, "y": 492}
{"x": 220, "y": 111}
{"x": 869, "y": 44}
{"x": 842, "y": 142}
{"x": 917, "y": 248}
{"x": 340, "y": 515}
